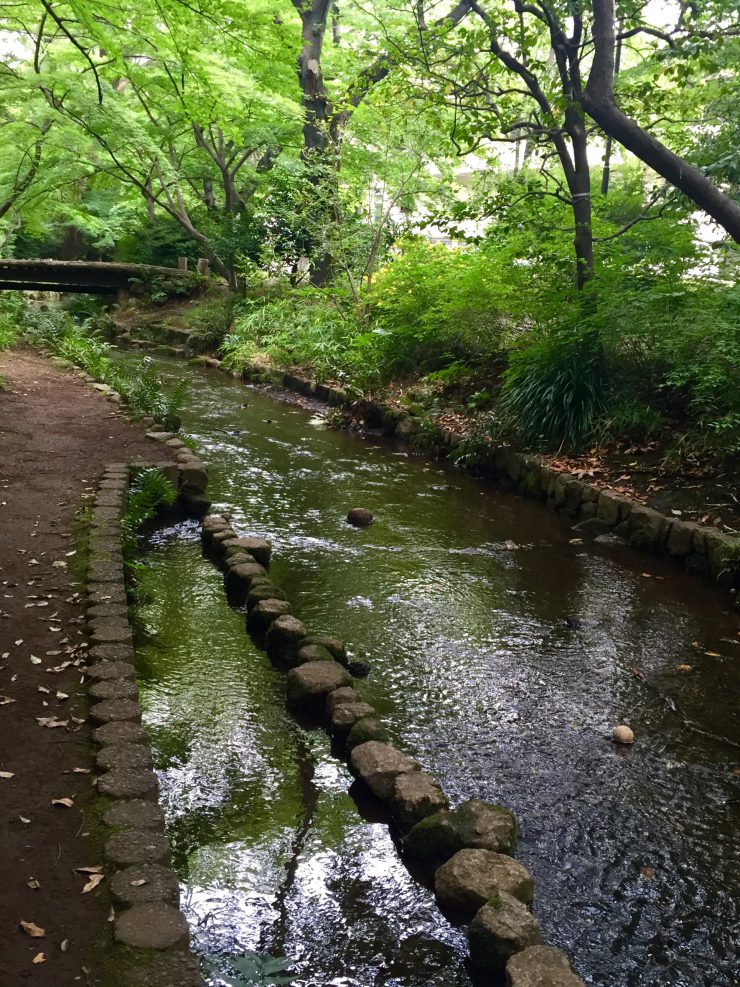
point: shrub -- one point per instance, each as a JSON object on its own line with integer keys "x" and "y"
{"x": 149, "y": 491}
{"x": 210, "y": 324}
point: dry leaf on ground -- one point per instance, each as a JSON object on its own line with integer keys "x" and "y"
{"x": 68, "y": 803}
{"x": 33, "y": 930}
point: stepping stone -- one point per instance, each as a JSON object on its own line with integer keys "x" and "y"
{"x": 142, "y": 883}
{"x": 473, "y": 824}
{"x": 541, "y": 966}
{"x": 152, "y": 926}
{"x": 332, "y": 644}
{"x": 120, "y": 732}
{"x": 345, "y": 715}
{"x": 283, "y": 639}
{"x": 135, "y": 757}
{"x": 114, "y": 689}
{"x": 416, "y": 796}
{"x": 500, "y": 929}
{"x": 115, "y": 709}
{"x": 341, "y": 697}
{"x": 260, "y": 548}
{"x": 365, "y": 730}
{"x": 128, "y": 783}
{"x": 472, "y": 877}
{"x": 309, "y": 684}
{"x": 135, "y": 814}
{"x": 104, "y": 671}
{"x": 264, "y": 613}
{"x": 378, "y": 765}
{"x": 137, "y": 846}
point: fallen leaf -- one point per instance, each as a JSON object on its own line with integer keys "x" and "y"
{"x": 4, "y": 700}
{"x": 35, "y": 660}
{"x": 62, "y": 695}
{"x": 93, "y": 882}
{"x": 7, "y": 774}
{"x": 64, "y": 945}
{"x": 684, "y": 668}
{"x": 51, "y": 722}
{"x": 712, "y": 654}
{"x": 32, "y": 883}
{"x": 66, "y": 802}
{"x": 33, "y": 930}
{"x": 24, "y": 820}
{"x": 80, "y": 771}
{"x": 94, "y": 869}
{"x": 39, "y": 958}
{"x": 138, "y": 884}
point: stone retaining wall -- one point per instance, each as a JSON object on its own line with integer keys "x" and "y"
{"x": 467, "y": 850}
{"x": 150, "y": 932}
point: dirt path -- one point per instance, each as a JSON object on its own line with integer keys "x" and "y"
{"x": 56, "y": 435}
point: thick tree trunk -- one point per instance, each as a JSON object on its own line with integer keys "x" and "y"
{"x": 599, "y": 102}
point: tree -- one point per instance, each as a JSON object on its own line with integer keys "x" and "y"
{"x": 599, "y": 101}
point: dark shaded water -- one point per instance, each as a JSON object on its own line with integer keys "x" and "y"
{"x": 635, "y": 852}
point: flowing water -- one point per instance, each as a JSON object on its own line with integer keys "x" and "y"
{"x": 635, "y": 851}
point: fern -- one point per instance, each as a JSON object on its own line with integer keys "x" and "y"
{"x": 149, "y": 491}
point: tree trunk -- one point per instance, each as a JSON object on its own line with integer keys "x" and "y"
{"x": 599, "y": 102}
{"x": 578, "y": 177}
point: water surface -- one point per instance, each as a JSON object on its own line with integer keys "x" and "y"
{"x": 635, "y": 851}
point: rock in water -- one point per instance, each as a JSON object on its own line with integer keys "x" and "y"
{"x": 473, "y": 824}
{"x": 623, "y": 735}
{"x": 500, "y": 929}
{"x": 541, "y": 965}
{"x": 360, "y": 517}
{"x": 379, "y": 765}
{"x": 472, "y": 877}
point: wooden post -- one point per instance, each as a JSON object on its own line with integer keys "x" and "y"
{"x": 182, "y": 263}
{"x": 204, "y": 267}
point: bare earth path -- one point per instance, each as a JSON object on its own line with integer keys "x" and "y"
{"x": 56, "y": 435}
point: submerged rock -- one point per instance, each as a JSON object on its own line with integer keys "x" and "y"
{"x": 312, "y": 652}
{"x": 359, "y": 669}
{"x": 541, "y": 966}
{"x": 473, "y": 824}
{"x": 360, "y": 517}
{"x": 378, "y": 765}
{"x": 309, "y": 684}
{"x": 501, "y": 928}
{"x": 472, "y": 877}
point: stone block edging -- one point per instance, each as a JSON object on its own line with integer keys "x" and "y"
{"x": 470, "y": 847}
{"x": 144, "y": 886}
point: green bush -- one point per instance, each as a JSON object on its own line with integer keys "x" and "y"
{"x": 306, "y": 328}
{"x": 149, "y": 491}
{"x": 210, "y": 324}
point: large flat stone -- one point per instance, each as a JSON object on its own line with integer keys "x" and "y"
{"x": 135, "y": 814}
{"x": 111, "y": 631}
{"x": 240, "y": 577}
{"x": 112, "y": 651}
{"x": 137, "y": 846}
{"x": 120, "y": 732}
{"x": 128, "y": 783}
{"x": 541, "y": 966}
{"x": 142, "y": 883}
{"x": 136, "y": 757}
{"x": 310, "y": 684}
{"x": 378, "y": 764}
{"x": 114, "y": 689}
{"x": 264, "y": 613}
{"x": 105, "y": 671}
{"x": 345, "y": 715}
{"x": 259, "y": 548}
{"x": 341, "y": 697}
{"x": 365, "y": 730}
{"x": 101, "y": 593}
{"x": 472, "y": 877}
{"x": 152, "y": 926}
{"x": 500, "y": 929}
{"x": 115, "y": 709}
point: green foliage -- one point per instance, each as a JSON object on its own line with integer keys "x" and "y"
{"x": 554, "y": 389}
{"x": 248, "y": 970}
{"x": 210, "y": 324}
{"x": 305, "y": 328}
{"x": 150, "y": 490}
{"x": 141, "y": 387}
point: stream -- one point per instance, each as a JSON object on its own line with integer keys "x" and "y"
{"x": 635, "y": 851}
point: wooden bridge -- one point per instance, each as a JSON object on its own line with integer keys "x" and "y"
{"x": 81, "y": 276}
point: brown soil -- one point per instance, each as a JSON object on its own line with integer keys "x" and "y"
{"x": 56, "y": 435}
